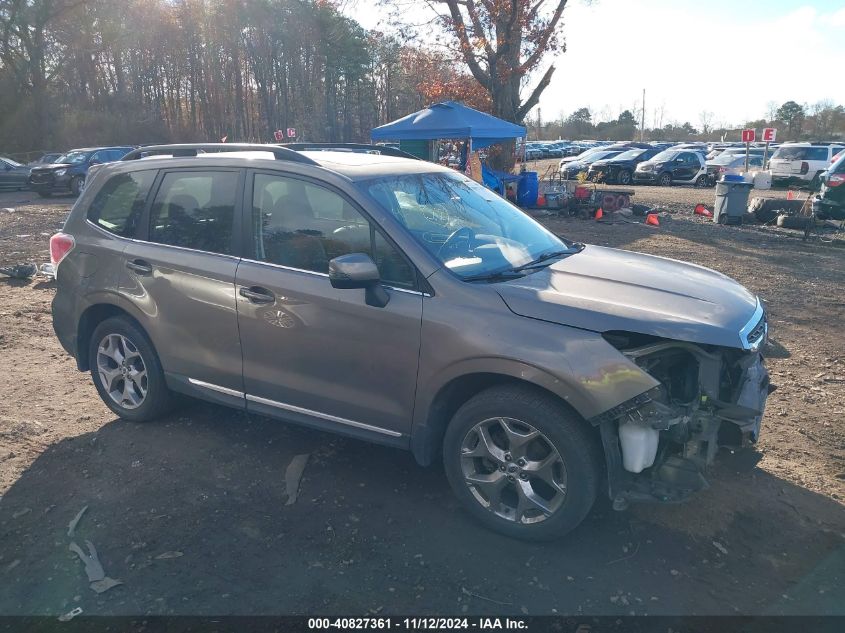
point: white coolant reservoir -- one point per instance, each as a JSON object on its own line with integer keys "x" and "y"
{"x": 639, "y": 446}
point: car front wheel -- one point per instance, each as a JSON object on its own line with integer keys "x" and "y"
{"x": 665, "y": 179}
{"x": 127, "y": 372}
{"x": 624, "y": 177}
{"x": 77, "y": 185}
{"x": 522, "y": 463}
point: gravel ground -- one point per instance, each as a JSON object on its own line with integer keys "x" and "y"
{"x": 189, "y": 512}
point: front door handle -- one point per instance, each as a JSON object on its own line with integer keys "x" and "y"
{"x": 140, "y": 266}
{"x": 257, "y": 294}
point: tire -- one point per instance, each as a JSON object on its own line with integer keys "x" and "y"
{"x": 624, "y": 177}
{"x": 76, "y": 185}
{"x": 702, "y": 181}
{"x": 575, "y": 465}
{"x": 157, "y": 399}
{"x": 664, "y": 179}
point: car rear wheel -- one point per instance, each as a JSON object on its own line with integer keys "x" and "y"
{"x": 665, "y": 179}
{"x": 522, "y": 463}
{"x": 77, "y": 184}
{"x": 127, "y": 372}
{"x": 624, "y": 177}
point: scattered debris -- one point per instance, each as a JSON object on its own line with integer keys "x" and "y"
{"x": 168, "y": 555}
{"x": 70, "y": 615}
{"x": 651, "y": 219}
{"x": 13, "y": 564}
{"x": 93, "y": 568}
{"x": 20, "y": 271}
{"x": 71, "y": 527}
{"x": 467, "y": 592}
{"x": 20, "y": 513}
{"x": 293, "y": 475}
{"x": 720, "y": 547}
{"x": 101, "y": 586}
{"x": 9, "y": 209}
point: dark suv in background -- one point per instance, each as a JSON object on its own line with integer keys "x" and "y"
{"x": 620, "y": 168}
{"x": 400, "y": 302}
{"x": 70, "y": 170}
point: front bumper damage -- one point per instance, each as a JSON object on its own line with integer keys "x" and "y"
{"x": 658, "y": 445}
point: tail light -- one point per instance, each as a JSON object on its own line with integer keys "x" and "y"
{"x": 60, "y": 245}
{"x": 805, "y": 167}
{"x": 834, "y": 180}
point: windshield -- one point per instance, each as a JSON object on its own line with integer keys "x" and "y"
{"x": 785, "y": 152}
{"x": 73, "y": 158}
{"x": 631, "y": 154}
{"x": 469, "y": 229}
{"x": 665, "y": 155}
{"x": 11, "y": 162}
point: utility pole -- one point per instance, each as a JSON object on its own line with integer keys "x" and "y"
{"x": 539, "y": 123}
{"x": 642, "y": 120}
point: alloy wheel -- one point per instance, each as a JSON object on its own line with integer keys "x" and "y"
{"x": 122, "y": 371}
{"x": 513, "y": 470}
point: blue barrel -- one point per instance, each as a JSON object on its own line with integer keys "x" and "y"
{"x": 527, "y": 189}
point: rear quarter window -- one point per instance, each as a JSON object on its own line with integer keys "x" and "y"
{"x": 118, "y": 205}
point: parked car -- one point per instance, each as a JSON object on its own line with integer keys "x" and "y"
{"x": 571, "y": 170}
{"x": 334, "y": 289}
{"x": 69, "y": 171}
{"x": 731, "y": 164}
{"x": 13, "y": 175}
{"x": 673, "y": 167}
{"x": 832, "y": 194}
{"x": 837, "y": 156}
{"x": 619, "y": 169}
{"x": 45, "y": 159}
{"x": 802, "y": 163}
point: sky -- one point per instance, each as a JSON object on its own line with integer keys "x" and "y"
{"x": 728, "y": 57}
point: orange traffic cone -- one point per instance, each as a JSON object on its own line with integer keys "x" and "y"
{"x": 599, "y": 214}
{"x": 541, "y": 200}
{"x": 652, "y": 220}
{"x": 700, "y": 209}
{"x": 790, "y": 195}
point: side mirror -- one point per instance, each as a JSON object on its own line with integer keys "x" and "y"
{"x": 358, "y": 270}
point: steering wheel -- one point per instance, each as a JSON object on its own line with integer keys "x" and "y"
{"x": 452, "y": 241}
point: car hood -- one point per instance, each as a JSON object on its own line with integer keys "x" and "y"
{"x": 52, "y": 167}
{"x": 604, "y": 289}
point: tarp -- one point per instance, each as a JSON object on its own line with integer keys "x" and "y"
{"x": 449, "y": 120}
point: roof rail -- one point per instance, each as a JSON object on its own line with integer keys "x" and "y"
{"x": 361, "y": 148}
{"x": 192, "y": 149}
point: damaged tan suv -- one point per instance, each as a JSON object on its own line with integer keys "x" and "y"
{"x": 359, "y": 291}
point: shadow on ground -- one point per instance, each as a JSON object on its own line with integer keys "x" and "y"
{"x": 373, "y": 532}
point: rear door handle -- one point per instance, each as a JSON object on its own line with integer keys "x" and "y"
{"x": 257, "y": 294}
{"x": 140, "y": 266}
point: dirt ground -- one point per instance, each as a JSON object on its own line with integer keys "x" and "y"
{"x": 189, "y": 512}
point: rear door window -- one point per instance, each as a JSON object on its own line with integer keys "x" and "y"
{"x": 195, "y": 209}
{"x": 118, "y": 205}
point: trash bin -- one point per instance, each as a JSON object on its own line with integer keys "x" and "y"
{"x": 731, "y": 201}
{"x": 527, "y": 189}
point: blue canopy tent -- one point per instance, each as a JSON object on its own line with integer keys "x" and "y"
{"x": 452, "y": 120}
{"x": 449, "y": 119}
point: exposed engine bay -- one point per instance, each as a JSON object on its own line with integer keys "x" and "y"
{"x": 658, "y": 445}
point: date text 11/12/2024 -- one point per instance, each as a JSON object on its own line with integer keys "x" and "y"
{"x": 418, "y": 624}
